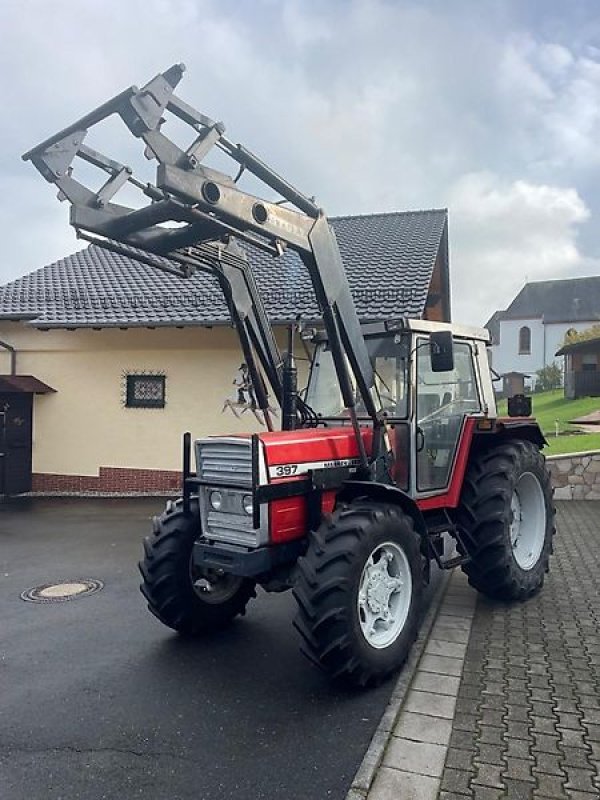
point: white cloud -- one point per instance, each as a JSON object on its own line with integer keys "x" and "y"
{"x": 506, "y": 233}
{"x": 370, "y": 105}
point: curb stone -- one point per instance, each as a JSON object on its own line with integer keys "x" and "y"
{"x": 365, "y": 775}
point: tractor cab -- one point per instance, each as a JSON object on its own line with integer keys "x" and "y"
{"x": 430, "y": 378}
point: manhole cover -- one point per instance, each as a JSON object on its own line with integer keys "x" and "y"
{"x": 64, "y": 590}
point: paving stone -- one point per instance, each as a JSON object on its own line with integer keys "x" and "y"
{"x": 518, "y": 748}
{"x": 572, "y": 794}
{"x": 488, "y": 775}
{"x": 580, "y": 779}
{"x": 466, "y": 692}
{"x": 517, "y": 790}
{"x": 530, "y": 684}
{"x": 459, "y": 759}
{"x": 575, "y": 757}
{"x": 486, "y": 793}
{"x": 443, "y": 665}
{"x": 549, "y": 764}
{"x": 494, "y": 688}
{"x": 494, "y": 701}
{"x": 518, "y": 769}
{"x": 438, "y": 647}
{"x": 436, "y": 705}
{"x": 464, "y": 740}
{"x": 543, "y": 725}
{"x": 423, "y": 728}
{"x": 592, "y": 732}
{"x": 491, "y": 735}
{"x": 447, "y": 633}
{"x": 550, "y": 786}
{"x": 518, "y": 713}
{"x": 490, "y": 753}
{"x": 422, "y": 758}
{"x": 517, "y": 730}
{"x": 545, "y": 744}
{"x": 441, "y": 684}
{"x": 591, "y": 715}
{"x": 465, "y": 722}
{"x": 391, "y": 784}
{"x": 455, "y": 781}
{"x": 571, "y": 738}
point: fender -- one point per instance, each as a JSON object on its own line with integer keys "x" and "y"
{"x": 519, "y": 428}
{"x": 385, "y": 493}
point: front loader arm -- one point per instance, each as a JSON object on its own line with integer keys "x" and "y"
{"x": 210, "y": 211}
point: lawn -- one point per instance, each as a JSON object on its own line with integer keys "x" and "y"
{"x": 550, "y": 407}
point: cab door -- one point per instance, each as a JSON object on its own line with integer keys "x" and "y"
{"x": 443, "y": 399}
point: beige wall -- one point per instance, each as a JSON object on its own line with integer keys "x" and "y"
{"x": 85, "y": 424}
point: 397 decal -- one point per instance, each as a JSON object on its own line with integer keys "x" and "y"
{"x": 285, "y": 470}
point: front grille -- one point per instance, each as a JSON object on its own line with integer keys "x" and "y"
{"x": 224, "y": 463}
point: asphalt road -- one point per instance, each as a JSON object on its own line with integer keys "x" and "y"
{"x": 99, "y": 700}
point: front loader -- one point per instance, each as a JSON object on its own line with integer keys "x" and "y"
{"x": 394, "y": 449}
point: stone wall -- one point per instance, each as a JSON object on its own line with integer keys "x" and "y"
{"x": 576, "y": 476}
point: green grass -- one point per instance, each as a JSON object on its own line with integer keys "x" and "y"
{"x": 551, "y": 406}
{"x": 557, "y": 445}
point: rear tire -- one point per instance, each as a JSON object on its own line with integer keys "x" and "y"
{"x": 359, "y": 592}
{"x": 169, "y": 579}
{"x": 506, "y": 517}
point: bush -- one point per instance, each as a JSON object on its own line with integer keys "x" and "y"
{"x": 549, "y": 377}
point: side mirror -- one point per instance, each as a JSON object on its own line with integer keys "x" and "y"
{"x": 441, "y": 351}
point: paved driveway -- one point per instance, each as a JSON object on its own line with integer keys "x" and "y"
{"x": 98, "y": 700}
{"x": 527, "y": 722}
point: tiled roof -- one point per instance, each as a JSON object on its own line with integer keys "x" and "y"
{"x": 568, "y": 300}
{"x": 389, "y": 259}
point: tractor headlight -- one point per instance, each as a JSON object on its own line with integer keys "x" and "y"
{"x": 216, "y": 500}
{"x": 248, "y": 504}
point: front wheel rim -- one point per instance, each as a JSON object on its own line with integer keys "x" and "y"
{"x": 384, "y": 595}
{"x": 213, "y": 586}
{"x": 528, "y": 521}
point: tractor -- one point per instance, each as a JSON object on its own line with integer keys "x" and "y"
{"x": 393, "y": 450}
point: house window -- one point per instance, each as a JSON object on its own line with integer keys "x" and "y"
{"x": 524, "y": 340}
{"x": 145, "y": 391}
{"x": 589, "y": 362}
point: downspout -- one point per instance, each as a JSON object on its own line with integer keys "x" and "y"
{"x": 13, "y": 356}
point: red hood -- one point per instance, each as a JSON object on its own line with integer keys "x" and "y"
{"x": 313, "y": 444}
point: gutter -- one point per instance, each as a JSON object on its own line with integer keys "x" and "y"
{"x": 13, "y": 356}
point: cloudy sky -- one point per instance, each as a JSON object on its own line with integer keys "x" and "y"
{"x": 491, "y": 109}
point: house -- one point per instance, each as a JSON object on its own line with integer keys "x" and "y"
{"x": 582, "y": 368}
{"x": 526, "y": 336}
{"x": 105, "y": 361}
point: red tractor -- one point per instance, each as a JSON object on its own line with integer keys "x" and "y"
{"x": 394, "y": 449}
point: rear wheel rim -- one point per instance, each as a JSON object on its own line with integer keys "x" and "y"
{"x": 528, "y": 521}
{"x": 384, "y": 595}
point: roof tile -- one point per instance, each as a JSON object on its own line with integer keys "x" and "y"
{"x": 389, "y": 260}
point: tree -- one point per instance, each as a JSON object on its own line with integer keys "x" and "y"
{"x": 549, "y": 377}
{"x": 572, "y": 336}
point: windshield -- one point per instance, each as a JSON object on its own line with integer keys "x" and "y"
{"x": 389, "y": 356}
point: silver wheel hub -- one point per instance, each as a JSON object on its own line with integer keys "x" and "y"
{"x": 528, "y": 521}
{"x": 384, "y": 595}
{"x": 214, "y": 586}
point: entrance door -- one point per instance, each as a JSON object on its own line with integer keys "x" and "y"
{"x": 443, "y": 399}
{"x": 15, "y": 442}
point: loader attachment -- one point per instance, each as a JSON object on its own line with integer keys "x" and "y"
{"x": 191, "y": 214}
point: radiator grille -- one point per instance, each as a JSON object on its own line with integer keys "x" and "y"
{"x": 225, "y": 461}
{"x": 222, "y": 463}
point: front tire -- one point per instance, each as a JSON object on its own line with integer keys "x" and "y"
{"x": 506, "y": 517}
{"x": 359, "y": 592}
{"x": 182, "y": 598}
